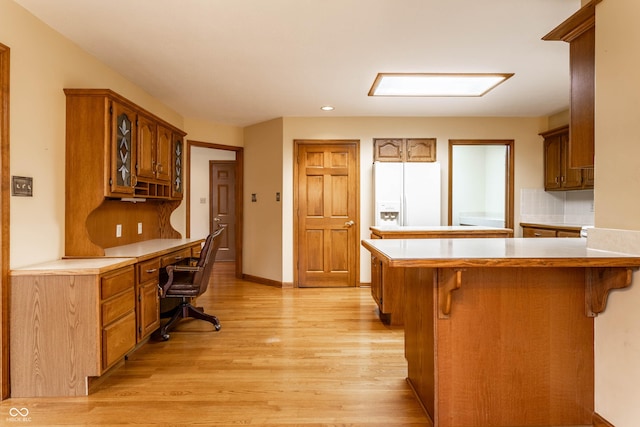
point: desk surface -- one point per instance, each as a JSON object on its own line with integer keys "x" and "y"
{"x": 496, "y": 252}
{"x": 74, "y": 266}
{"x": 150, "y": 248}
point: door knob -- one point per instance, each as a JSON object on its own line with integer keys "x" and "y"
{"x": 216, "y": 219}
{"x": 349, "y": 223}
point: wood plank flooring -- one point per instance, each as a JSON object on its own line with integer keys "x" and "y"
{"x": 284, "y": 357}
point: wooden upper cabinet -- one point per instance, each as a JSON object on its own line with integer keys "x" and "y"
{"x": 154, "y": 150}
{"x": 420, "y": 150}
{"x": 404, "y": 150}
{"x": 147, "y": 134}
{"x": 579, "y": 31}
{"x": 122, "y": 143}
{"x": 163, "y": 154}
{"x": 388, "y": 150}
{"x": 558, "y": 175}
{"x": 177, "y": 156}
{"x": 113, "y": 148}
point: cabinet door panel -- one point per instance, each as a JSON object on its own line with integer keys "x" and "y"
{"x": 123, "y": 149}
{"x": 388, "y": 150}
{"x": 163, "y": 155}
{"x": 147, "y": 130}
{"x": 148, "y": 310}
{"x": 421, "y": 150}
{"x": 118, "y": 339}
{"x": 552, "y": 160}
{"x": 177, "y": 156}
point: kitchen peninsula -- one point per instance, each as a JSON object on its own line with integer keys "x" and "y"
{"x": 387, "y": 285}
{"x": 500, "y": 331}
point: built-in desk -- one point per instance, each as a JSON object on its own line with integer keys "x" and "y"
{"x": 500, "y": 331}
{"x": 74, "y": 319}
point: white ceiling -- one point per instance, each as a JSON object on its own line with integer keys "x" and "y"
{"x": 241, "y": 62}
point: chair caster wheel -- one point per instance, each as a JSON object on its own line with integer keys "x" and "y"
{"x": 218, "y": 327}
{"x": 165, "y": 337}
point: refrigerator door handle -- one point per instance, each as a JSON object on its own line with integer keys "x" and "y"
{"x": 404, "y": 210}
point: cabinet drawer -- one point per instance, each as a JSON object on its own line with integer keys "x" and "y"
{"x": 113, "y": 283}
{"x": 148, "y": 270}
{"x": 195, "y": 251}
{"x": 538, "y": 232}
{"x": 175, "y": 257}
{"x": 118, "y": 306}
{"x": 118, "y": 339}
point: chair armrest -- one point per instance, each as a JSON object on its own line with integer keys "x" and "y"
{"x": 186, "y": 268}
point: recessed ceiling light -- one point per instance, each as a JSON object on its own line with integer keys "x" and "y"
{"x": 326, "y": 108}
{"x": 426, "y": 84}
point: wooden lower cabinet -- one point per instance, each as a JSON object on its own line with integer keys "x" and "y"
{"x": 148, "y": 299}
{"x": 69, "y": 324}
{"x": 543, "y": 230}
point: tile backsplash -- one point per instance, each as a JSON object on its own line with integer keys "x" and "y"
{"x": 568, "y": 207}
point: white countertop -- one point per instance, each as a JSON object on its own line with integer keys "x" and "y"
{"x": 69, "y": 266}
{"x": 403, "y": 228}
{"x": 495, "y": 252}
{"x": 149, "y": 248}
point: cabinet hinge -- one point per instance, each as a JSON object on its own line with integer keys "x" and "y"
{"x": 139, "y": 297}
{"x": 110, "y": 181}
{"x": 111, "y": 109}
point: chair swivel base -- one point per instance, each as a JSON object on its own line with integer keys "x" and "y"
{"x": 183, "y": 311}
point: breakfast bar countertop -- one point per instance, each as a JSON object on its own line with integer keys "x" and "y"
{"x": 510, "y": 252}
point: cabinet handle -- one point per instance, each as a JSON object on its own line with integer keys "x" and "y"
{"x": 178, "y": 258}
{"x": 153, "y": 270}
{"x": 537, "y": 234}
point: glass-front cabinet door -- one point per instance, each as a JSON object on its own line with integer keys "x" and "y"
{"x": 176, "y": 176}
{"x": 123, "y": 177}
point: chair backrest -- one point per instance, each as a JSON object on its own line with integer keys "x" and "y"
{"x": 207, "y": 258}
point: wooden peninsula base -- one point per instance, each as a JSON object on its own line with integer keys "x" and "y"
{"x": 499, "y": 332}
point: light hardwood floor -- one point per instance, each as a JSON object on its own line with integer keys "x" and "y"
{"x": 284, "y": 357}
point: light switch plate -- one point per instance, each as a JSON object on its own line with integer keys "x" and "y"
{"x": 139, "y": 228}
{"x": 118, "y": 230}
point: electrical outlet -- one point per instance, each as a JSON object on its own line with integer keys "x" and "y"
{"x": 118, "y": 230}
{"x": 139, "y": 228}
{"x": 203, "y": 200}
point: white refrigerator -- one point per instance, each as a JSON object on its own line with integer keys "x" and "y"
{"x": 407, "y": 193}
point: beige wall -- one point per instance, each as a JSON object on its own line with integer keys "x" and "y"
{"x": 528, "y": 163}
{"x": 212, "y": 133}
{"x": 617, "y": 204}
{"x": 263, "y": 224}
{"x": 42, "y": 64}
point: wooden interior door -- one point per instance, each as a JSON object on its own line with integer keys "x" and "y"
{"x": 223, "y": 206}
{"x": 327, "y": 208}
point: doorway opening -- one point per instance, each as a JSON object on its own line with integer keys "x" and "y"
{"x": 481, "y": 183}
{"x": 198, "y": 193}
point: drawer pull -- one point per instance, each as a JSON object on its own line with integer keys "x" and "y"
{"x": 537, "y": 234}
{"x": 178, "y": 258}
{"x": 153, "y": 270}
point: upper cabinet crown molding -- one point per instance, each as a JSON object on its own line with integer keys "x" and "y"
{"x": 575, "y": 25}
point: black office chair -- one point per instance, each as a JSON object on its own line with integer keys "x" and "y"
{"x": 187, "y": 282}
